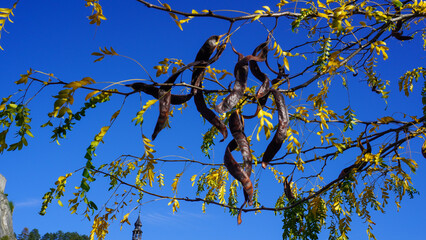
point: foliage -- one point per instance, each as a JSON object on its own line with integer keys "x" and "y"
{"x": 34, "y": 235}
{"x": 11, "y": 206}
{"x": 24, "y": 234}
{"x": 5, "y": 14}
{"x": 346, "y": 42}
{"x": 59, "y": 235}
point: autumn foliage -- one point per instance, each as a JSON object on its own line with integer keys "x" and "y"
{"x": 281, "y": 122}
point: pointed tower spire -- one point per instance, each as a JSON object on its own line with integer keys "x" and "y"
{"x": 137, "y": 232}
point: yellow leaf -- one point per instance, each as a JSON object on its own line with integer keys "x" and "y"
{"x": 275, "y": 45}
{"x": 193, "y": 179}
{"x": 91, "y": 94}
{"x": 386, "y": 120}
{"x": 60, "y": 203}
{"x": 114, "y": 116}
{"x": 363, "y": 24}
{"x": 385, "y": 55}
{"x": 286, "y": 64}
{"x": 125, "y": 219}
{"x": 167, "y": 6}
{"x": 173, "y": 16}
{"x": 194, "y": 12}
{"x": 267, "y": 8}
{"x": 320, "y": 4}
{"x": 323, "y": 15}
{"x": 179, "y": 25}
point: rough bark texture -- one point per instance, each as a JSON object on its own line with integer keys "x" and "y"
{"x": 6, "y": 224}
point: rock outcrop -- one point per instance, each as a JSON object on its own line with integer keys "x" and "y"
{"x": 6, "y": 224}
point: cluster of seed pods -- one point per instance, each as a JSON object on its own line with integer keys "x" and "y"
{"x": 236, "y": 120}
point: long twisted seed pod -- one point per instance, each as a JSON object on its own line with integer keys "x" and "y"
{"x": 164, "y": 105}
{"x": 155, "y": 92}
{"x": 238, "y": 173}
{"x": 236, "y": 126}
{"x": 240, "y": 73}
{"x": 281, "y": 133}
{"x": 166, "y": 98}
{"x": 197, "y": 76}
{"x": 260, "y": 51}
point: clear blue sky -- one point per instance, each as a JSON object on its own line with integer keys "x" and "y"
{"x": 55, "y": 37}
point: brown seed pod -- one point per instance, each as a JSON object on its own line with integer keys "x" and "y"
{"x": 240, "y": 73}
{"x": 209, "y": 115}
{"x": 236, "y": 126}
{"x": 164, "y": 104}
{"x": 155, "y": 92}
{"x": 203, "y": 55}
{"x": 281, "y": 133}
{"x": 287, "y": 190}
{"x": 260, "y": 51}
{"x": 197, "y": 77}
{"x": 164, "y": 92}
{"x": 396, "y": 32}
{"x": 424, "y": 149}
{"x": 238, "y": 173}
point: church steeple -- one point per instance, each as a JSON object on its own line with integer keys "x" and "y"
{"x": 137, "y": 232}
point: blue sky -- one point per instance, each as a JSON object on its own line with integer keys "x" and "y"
{"x": 55, "y": 37}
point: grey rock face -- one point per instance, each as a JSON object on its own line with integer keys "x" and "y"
{"x": 2, "y": 183}
{"x": 6, "y": 224}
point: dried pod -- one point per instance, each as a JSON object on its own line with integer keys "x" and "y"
{"x": 164, "y": 95}
{"x": 263, "y": 92}
{"x": 260, "y": 51}
{"x": 198, "y": 74}
{"x": 238, "y": 173}
{"x": 424, "y": 149}
{"x": 287, "y": 190}
{"x": 396, "y": 32}
{"x": 281, "y": 133}
{"x": 165, "y": 98}
{"x": 209, "y": 115}
{"x": 236, "y": 126}
{"x": 203, "y": 55}
{"x": 346, "y": 171}
{"x": 240, "y": 73}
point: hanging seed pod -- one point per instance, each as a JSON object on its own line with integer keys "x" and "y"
{"x": 263, "y": 92}
{"x": 240, "y": 73}
{"x": 164, "y": 103}
{"x": 238, "y": 173}
{"x": 260, "y": 51}
{"x": 197, "y": 77}
{"x": 155, "y": 92}
{"x": 424, "y": 149}
{"x": 396, "y": 32}
{"x": 203, "y": 55}
{"x": 164, "y": 93}
{"x": 281, "y": 133}
{"x": 209, "y": 115}
{"x": 236, "y": 126}
{"x": 287, "y": 190}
